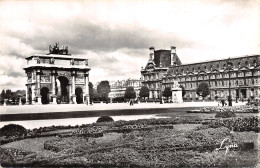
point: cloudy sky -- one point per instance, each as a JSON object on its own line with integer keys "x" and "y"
{"x": 115, "y": 35}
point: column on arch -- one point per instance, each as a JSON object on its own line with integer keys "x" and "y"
{"x": 73, "y": 96}
{"x": 87, "y": 101}
{"x": 38, "y": 87}
{"x": 53, "y": 82}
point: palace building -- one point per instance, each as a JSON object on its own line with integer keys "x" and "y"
{"x": 157, "y": 66}
{"x": 243, "y": 74}
{"x": 118, "y": 88}
{"x": 57, "y": 77}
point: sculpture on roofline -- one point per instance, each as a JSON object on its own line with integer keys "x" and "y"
{"x": 55, "y": 49}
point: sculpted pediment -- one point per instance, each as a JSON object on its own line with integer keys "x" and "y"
{"x": 215, "y": 71}
{"x": 244, "y": 68}
{"x": 149, "y": 67}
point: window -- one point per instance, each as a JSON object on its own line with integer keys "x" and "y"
{"x": 216, "y": 83}
{"x": 217, "y": 65}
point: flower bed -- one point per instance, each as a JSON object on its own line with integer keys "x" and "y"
{"x": 237, "y": 124}
{"x": 161, "y": 146}
{"x": 235, "y": 109}
{"x": 225, "y": 114}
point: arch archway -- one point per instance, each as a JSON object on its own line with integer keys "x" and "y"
{"x": 45, "y": 95}
{"x": 62, "y": 89}
{"x": 79, "y": 95}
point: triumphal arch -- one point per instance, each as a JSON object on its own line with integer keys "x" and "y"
{"x": 57, "y": 77}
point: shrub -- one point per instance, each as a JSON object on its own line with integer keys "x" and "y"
{"x": 237, "y": 124}
{"x": 104, "y": 119}
{"x": 225, "y": 114}
{"x": 12, "y": 130}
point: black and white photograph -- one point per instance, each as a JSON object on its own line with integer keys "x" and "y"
{"x": 130, "y": 83}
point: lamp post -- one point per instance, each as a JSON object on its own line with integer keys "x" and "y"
{"x": 229, "y": 66}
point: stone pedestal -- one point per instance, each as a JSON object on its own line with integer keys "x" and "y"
{"x": 27, "y": 102}
{"x": 162, "y": 101}
{"x": 39, "y": 100}
{"x": 200, "y": 98}
{"x": 54, "y": 99}
{"x": 5, "y": 100}
{"x": 87, "y": 101}
{"x": 177, "y": 95}
{"x": 20, "y": 101}
{"x": 73, "y": 97}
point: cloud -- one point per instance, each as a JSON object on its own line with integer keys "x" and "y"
{"x": 82, "y": 35}
{"x": 115, "y": 35}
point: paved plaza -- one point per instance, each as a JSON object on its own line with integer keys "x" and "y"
{"x": 100, "y": 106}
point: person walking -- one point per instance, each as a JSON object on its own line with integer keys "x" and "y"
{"x": 131, "y": 102}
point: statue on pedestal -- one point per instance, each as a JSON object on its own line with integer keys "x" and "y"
{"x": 55, "y": 49}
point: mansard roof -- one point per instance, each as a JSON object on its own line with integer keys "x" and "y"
{"x": 224, "y": 59}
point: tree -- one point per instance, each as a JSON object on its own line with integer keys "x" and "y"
{"x": 167, "y": 92}
{"x": 14, "y": 96}
{"x": 21, "y": 94}
{"x": 144, "y": 92}
{"x": 183, "y": 90}
{"x": 8, "y": 94}
{"x": 91, "y": 92}
{"x": 95, "y": 95}
{"x": 130, "y": 93}
{"x": 203, "y": 89}
{"x": 103, "y": 89}
{"x": 2, "y": 96}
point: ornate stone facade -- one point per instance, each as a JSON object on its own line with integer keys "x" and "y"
{"x": 243, "y": 75}
{"x": 156, "y": 68}
{"x": 53, "y": 78}
{"x": 118, "y": 88}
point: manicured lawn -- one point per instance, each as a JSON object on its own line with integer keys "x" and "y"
{"x": 178, "y": 141}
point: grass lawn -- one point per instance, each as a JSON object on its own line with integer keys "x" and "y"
{"x": 185, "y": 144}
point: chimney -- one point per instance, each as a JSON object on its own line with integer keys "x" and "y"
{"x": 151, "y": 53}
{"x": 173, "y": 52}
